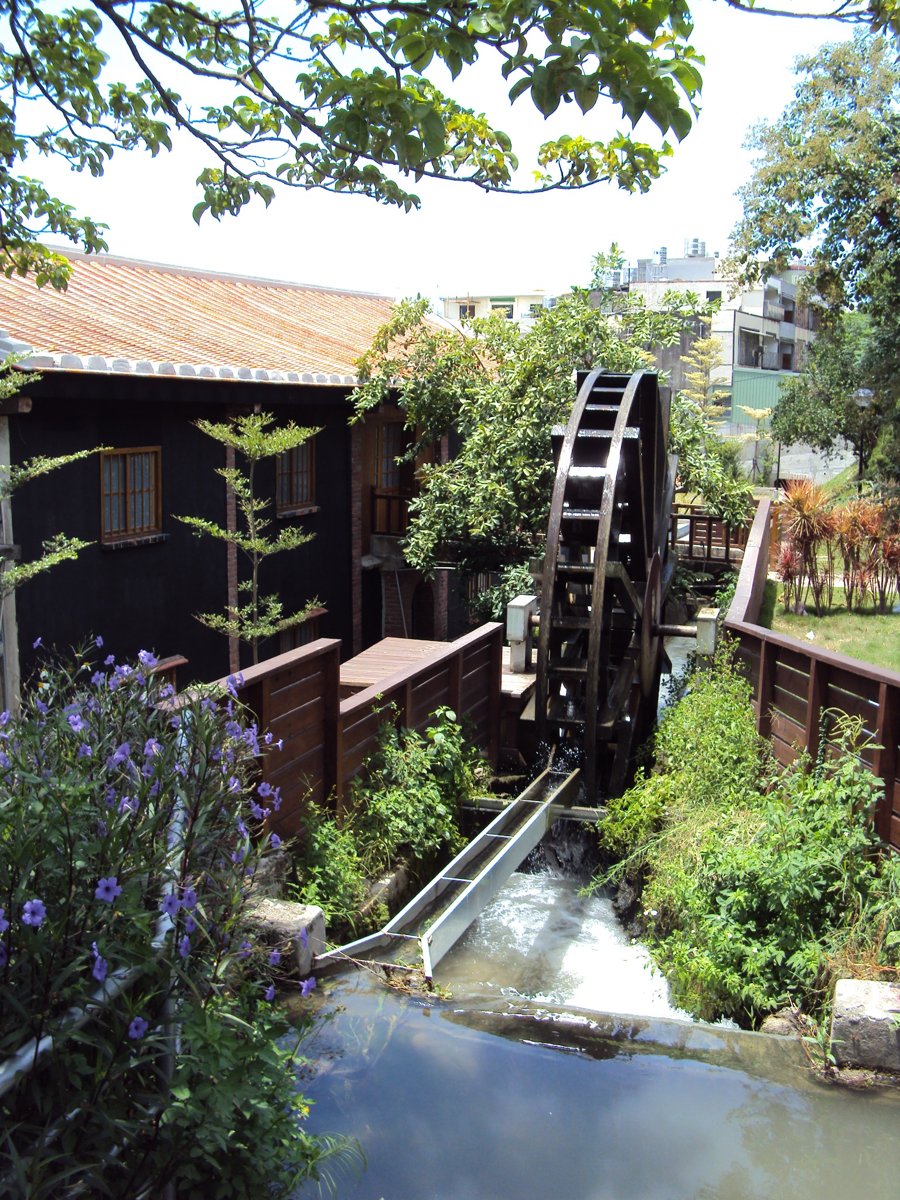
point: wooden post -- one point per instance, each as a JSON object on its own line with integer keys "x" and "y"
{"x": 884, "y": 763}
{"x": 815, "y": 700}
{"x": 765, "y": 687}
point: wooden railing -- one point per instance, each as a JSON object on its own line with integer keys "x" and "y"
{"x": 795, "y": 684}
{"x": 697, "y": 536}
{"x": 325, "y": 740}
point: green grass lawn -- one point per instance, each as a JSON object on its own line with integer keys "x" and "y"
{"x": 872, "y": 636}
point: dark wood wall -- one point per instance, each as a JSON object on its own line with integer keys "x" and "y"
{"x": 144, "y": 596}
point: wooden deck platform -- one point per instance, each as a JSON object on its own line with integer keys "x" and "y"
{"x": 384, "y": 659}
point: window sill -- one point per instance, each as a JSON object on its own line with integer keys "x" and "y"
{"x": 299, "y": 510}
{"x": 143, "y": 539}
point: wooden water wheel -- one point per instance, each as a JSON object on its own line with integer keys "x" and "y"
{"x": 600, "y": 652}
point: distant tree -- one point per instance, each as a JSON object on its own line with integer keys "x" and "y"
{"x": 256, "y": 438}
{"x": 816, "y": 407}
{"x": 699, "y": 365}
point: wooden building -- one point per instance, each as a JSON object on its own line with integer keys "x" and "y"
{"x": 129, "y": 358}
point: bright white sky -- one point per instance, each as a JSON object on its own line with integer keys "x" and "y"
{"x": 463, "y": 242}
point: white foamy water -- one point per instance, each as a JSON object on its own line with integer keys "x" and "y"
{"x": 540, "y": 940}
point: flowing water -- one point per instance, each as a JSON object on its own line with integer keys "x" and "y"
{"x": 552, "y": 1065}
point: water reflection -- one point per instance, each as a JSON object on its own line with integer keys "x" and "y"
{"x": 451, "y": 1103}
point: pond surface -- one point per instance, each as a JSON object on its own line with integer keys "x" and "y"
{"x": 511, "y": 1090}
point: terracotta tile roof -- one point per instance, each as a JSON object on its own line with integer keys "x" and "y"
{"x": 125, "y": 317}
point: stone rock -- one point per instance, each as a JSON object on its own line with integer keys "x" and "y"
{"x": 271, "y": 874}
{"x": 787, "y": 1022}
{"x": 387, "y": 890}
{"x": 279, "y": 922}
{"x": 864, "y": 1026}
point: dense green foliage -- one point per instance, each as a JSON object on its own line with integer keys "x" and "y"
{"x": 404, "y": 805}
{"x": 346, "y": 97}
{"x": 757, "y": 882}
{"x": 256, "y": 438}
{"x": 500, "y": 391}
{"x": 825, "y": 189}
{"x": 125, "y": 857}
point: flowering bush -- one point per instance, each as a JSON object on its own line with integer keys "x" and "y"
{"x": 125, "y": 857}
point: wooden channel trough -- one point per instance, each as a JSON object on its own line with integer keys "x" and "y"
{"x": 326, "y": 738}
{"x": 795, "y": 682}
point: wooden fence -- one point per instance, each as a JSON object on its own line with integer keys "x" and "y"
{"x": 295, "y": 697}
{"x": 795, "y": 683}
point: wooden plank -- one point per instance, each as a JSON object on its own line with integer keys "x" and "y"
{"x": 884, "y": 763}
{"x": 815, "y": 700}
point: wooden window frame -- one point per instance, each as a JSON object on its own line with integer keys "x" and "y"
{"x": 287, "y": 502}
{"x": 130, "y": 532}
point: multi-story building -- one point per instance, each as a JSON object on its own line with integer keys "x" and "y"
{"x": 523, "y": 309}
{"x": 764, "y": 333}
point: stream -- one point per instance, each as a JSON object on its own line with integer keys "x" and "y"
{"x": 551, "y": 1064}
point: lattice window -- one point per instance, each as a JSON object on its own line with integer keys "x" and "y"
{"x": 295, "y": 484}
{"x": 131, "y": 495}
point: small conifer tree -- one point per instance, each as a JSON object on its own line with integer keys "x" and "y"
{"x": 256, "y": 438}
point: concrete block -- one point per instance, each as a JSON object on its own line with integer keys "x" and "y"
{"x": 865, "y": 1025}
{"x": 283, "y": 922}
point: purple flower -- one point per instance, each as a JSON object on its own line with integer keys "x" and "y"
{"x": 34, "y": 912}
{"x": 274, "y": 958}
{"x": 76, "y": 721}
{"x": 84, "y": 750}
{"x": 189, "y": 899}
{"x": 189, "y": 924}
{"x": 108, "y": 889}
{"x": 128, "y": 804}
{"x": 279, "y": 745}
{"x": 257, "y": 813}
{"x": 270, "y": 992}
{"x": 102, "y": 829}
{"x": 110, "y": 660}
{"x": 234, "y": 784}
{"x": 245, "y": 949}
{"x": 274, "y": 841}
{"x": 151, "y": 747}
{"x": 119, "y": 755}
{"x": 146, "y": 659}
{"x": 184, "y": 946}
{"x": 307, "y": 985}
{"x": 170, "y": 905}
{"x": 264, "y": 789}
{"x": 137, "y": 1028}
{"x": 36, "y": 643}
{"x": 304, "y": 938}
{"x": 4, "y": 924}
{"x": 99, "y": 971}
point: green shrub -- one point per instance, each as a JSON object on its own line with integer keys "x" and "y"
{"x": 404, "y": 805}
{"x": 330, "y": 872}
{"x": 759, "y": 884}
{"x": 125, "y": 855}
{"x": 407, "y": 800}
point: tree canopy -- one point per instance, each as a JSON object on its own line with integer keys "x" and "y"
{"x": 500, "y": 391}
{"x": 360, "y": 97}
